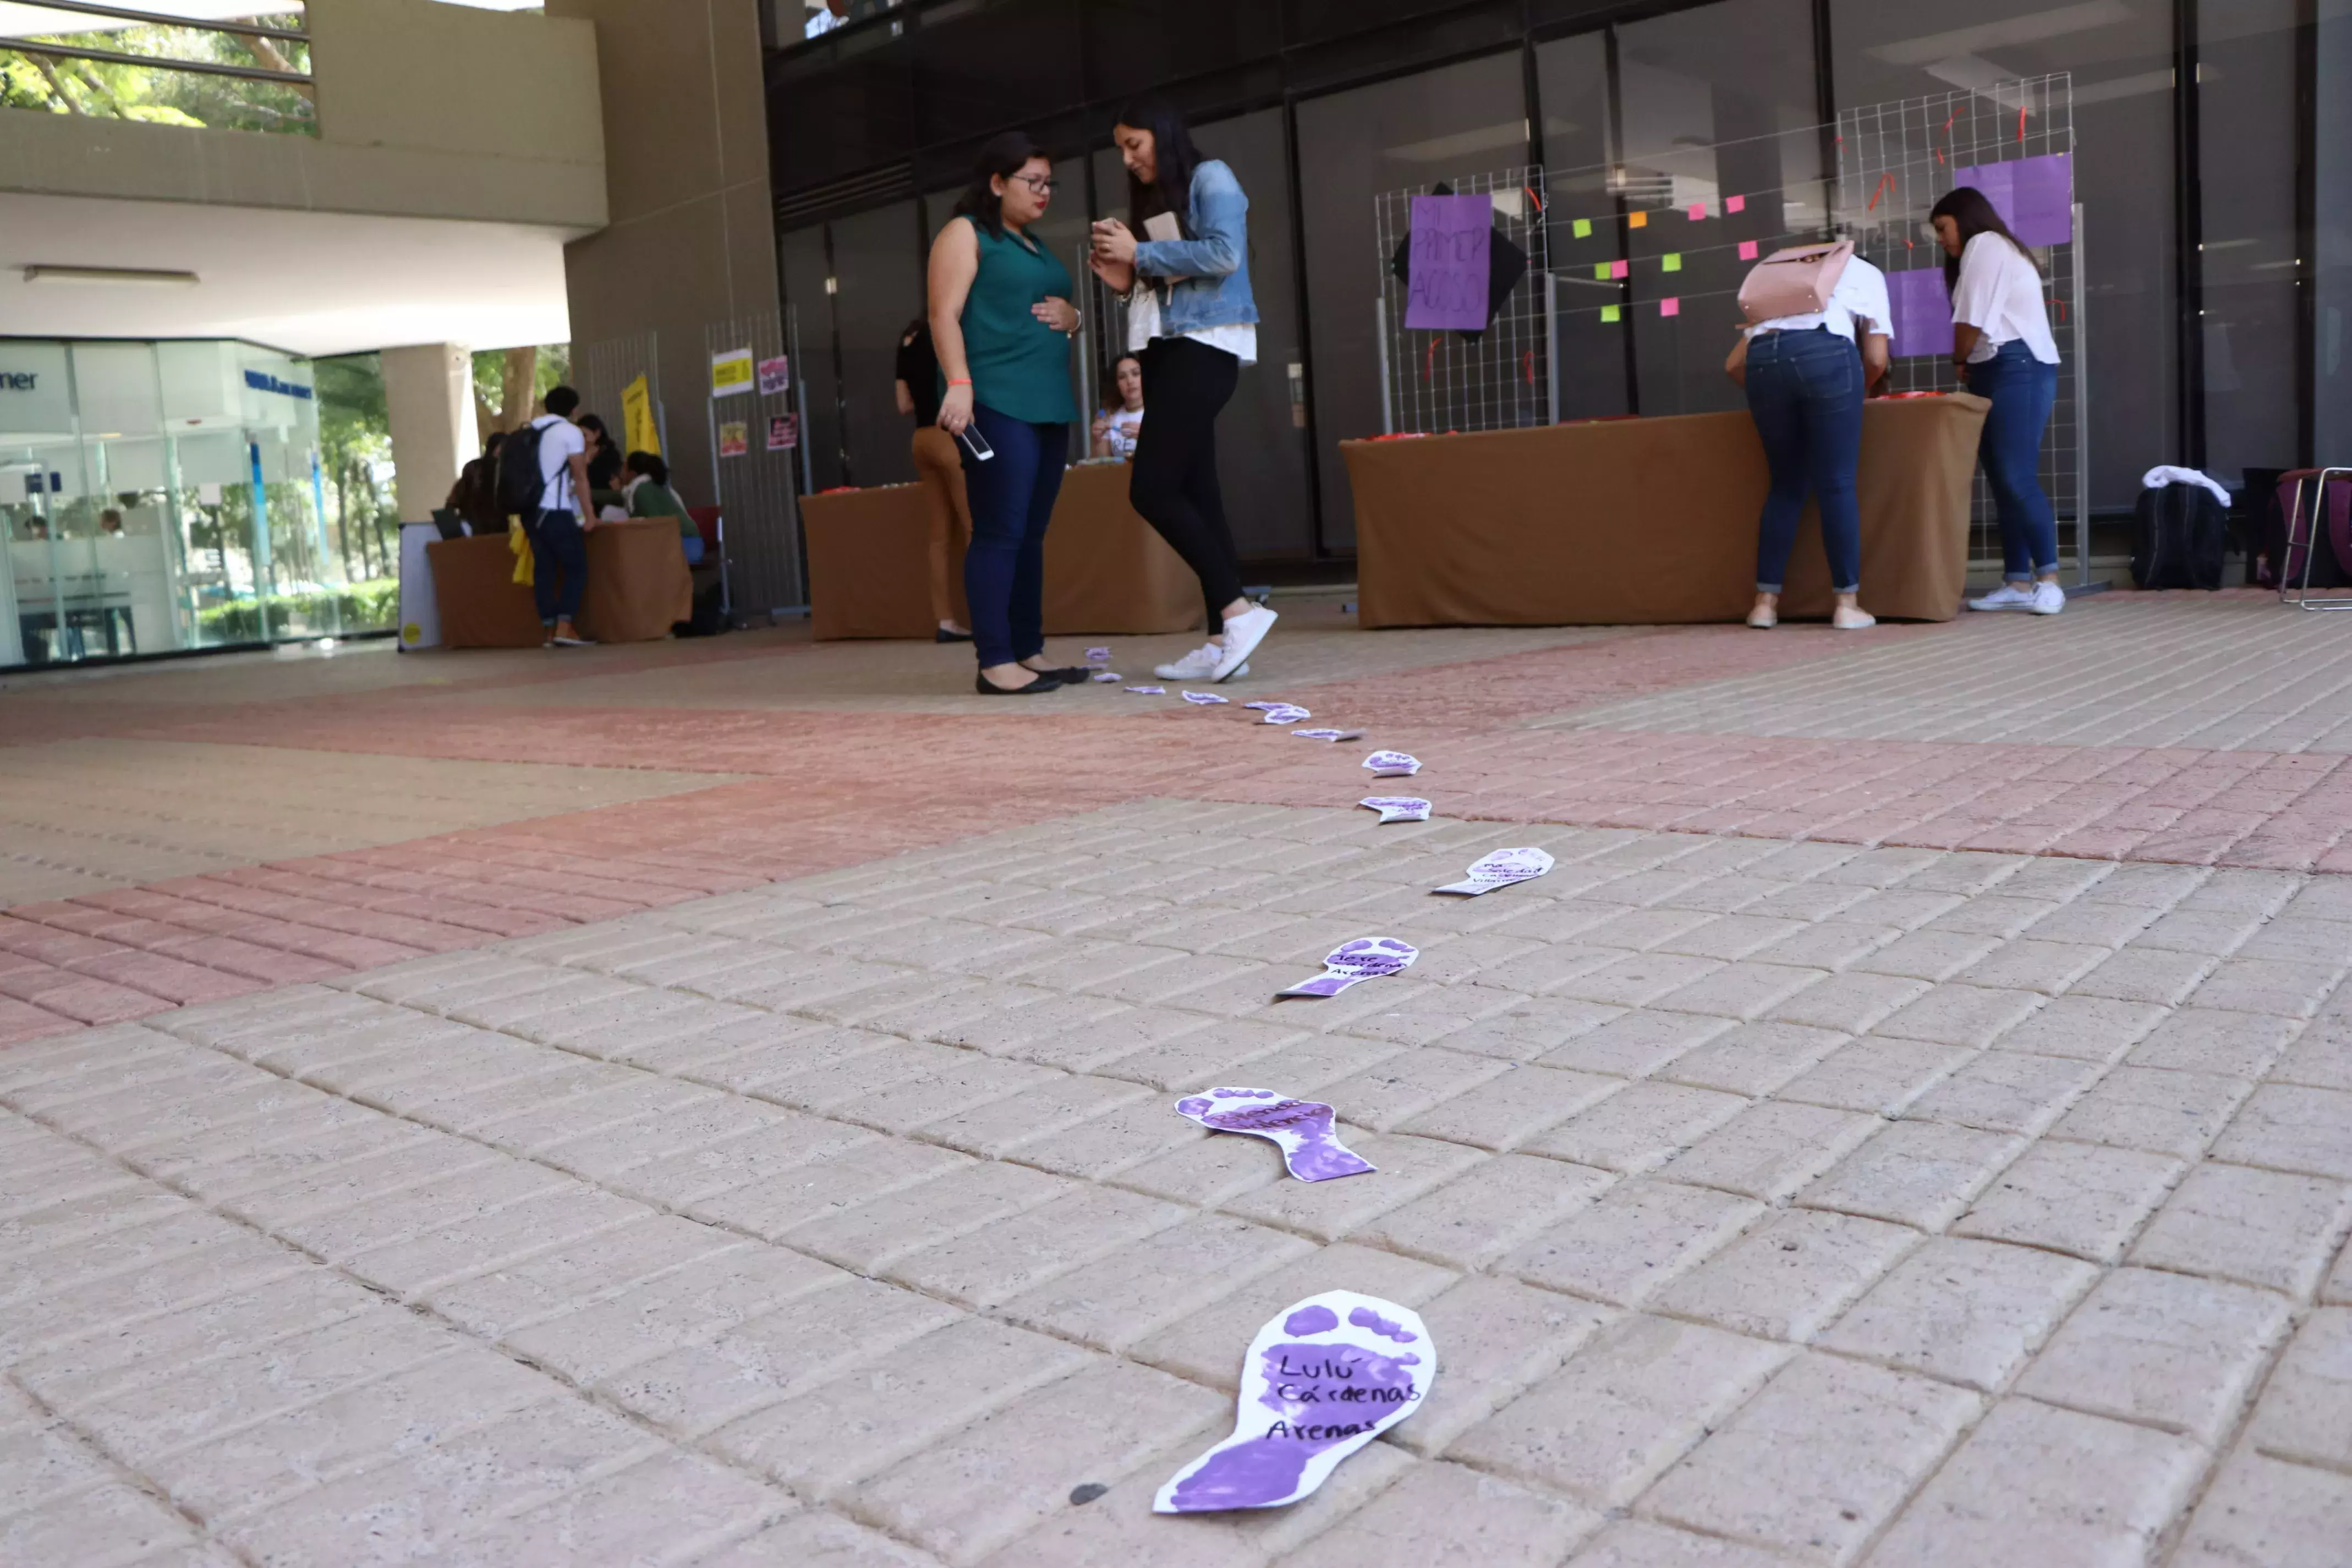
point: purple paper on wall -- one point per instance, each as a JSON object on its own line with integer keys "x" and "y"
{"x": 2035, "y": 196}
{"x": 1452, "y": 236}
{"x": 1923, "y": 312}
{"x": 1322, "y": 1378}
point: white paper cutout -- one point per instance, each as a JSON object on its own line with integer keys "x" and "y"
{"x": 1500, "y": 868}
{"x": 1321, "y": 1379}
{"x": 1285, "y": 713}
{"x": 1099, "y": 656}
{"x": 1204, "y": 699}
{"x": 1110, "y": 675}
{"x": 1301, "y": 1128}
{"x": 1392, "y": 764}
{"x": 1397, "y": 807}
{"x": 1366, "y": 958}
{"x": 1148, "y": 690}
{"x": 1328, "y": 734}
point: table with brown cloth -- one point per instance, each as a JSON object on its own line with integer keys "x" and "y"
{"x": 638, "y": 587}
{"x": 1106, "y": 572}
{"x": 1643, "y": 522}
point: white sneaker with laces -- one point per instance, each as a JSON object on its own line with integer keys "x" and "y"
{"x": 2048, "y": 598}
{"x": 1243, "y": 634}
{"x": 1198, "y": 664}
{"x": 2008, "y": 597}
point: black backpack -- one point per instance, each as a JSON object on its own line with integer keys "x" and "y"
{"x": 2180, "y": 537}
{"x": 520, "y": 483}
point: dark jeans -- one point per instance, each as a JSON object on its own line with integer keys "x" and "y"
{"x": 1175, "y": 485}
{"x": 2023, "y": 390}
{"x": 558, "y": 564}
{"x": 1804, "y": 390}
{"x": 1012, "y": 498}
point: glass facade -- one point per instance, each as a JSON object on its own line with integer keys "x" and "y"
{"x": 2214, "y": 309}
{"x": 157, "y": 497}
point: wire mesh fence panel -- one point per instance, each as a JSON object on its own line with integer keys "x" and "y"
{"x": 755, "y": 440}
{"x": 1499, "y": 378}
{"x": 603, "y": 373}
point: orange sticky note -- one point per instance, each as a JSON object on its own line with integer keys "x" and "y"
{"x": 1637, "y": 220}
{"x": 1735, "y": 203}
{"x": 1670, "y": 306}
{"x": 1747, "y": 250}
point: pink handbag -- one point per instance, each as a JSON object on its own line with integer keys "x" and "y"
{"x": 1794, "y": 282}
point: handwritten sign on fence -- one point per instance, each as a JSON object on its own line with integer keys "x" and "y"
{"x": 1452, "y": 236}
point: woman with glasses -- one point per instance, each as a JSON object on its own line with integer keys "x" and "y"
{"x": 1000, "y": 325}
{"x": 1194, "y": 321}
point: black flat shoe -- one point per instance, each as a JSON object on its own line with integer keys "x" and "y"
{"x": 1067, "y": 675}
{"x": 990, "y": 689}
{"x": 941, "y": 634}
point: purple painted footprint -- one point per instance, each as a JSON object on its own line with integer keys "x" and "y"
{"x": 1500, "y": 868}
{"x": 1352, "y": 963}
{"x": 1323, "y": 1378}
{"x": 1301, "y": 1128}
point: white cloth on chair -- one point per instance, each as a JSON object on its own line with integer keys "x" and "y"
{"x": 2166, "y": 476}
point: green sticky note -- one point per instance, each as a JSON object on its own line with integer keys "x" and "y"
{"x": 1584, "y": 228}
{"x": 1674, "y": 261}
{"x": 1601, "y": 270}
{"x": 1609, "y": 312}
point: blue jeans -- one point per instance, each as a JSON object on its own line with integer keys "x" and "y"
{"x": 2022, "y": 390}
{"x": 692, "y": 544}
{"x": 559, "y": 566}
{"x": 1012, "y": 498}
{"x": 1804, "y": 390}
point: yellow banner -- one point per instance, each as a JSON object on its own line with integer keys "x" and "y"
{"x": 637, "y": 426}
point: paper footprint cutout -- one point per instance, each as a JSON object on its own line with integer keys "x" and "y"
{"x": 1328, "y": 734}
{"x": 1148, "y": 690}
{"x": 1398, "y": 807}
{"x": 1098, "y": 657}
{"x": 1500, "y": 868}
{"x": 1204, "y": 699}
{"x": 1392, "y": 764}
{"x": 1366, "y": 958}
{"x": 1109, "y": 675}
{"x": 1285, "y": 713}
{"x": 1323, "y": 1377}
{"x": 1301, "y": 1128}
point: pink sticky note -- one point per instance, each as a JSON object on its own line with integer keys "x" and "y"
{"x": 1735, "y": 203}
{"x": 1617, "y": 269}
{"x": 1698, "y": 212}
{"x": 1747, "y": 250}
{"x": 1670, "y": 306}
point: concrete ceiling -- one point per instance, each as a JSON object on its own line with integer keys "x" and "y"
{"x": 314, "y": 283}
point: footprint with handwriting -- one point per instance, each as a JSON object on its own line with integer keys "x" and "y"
{"x": 1301, "y": 1128}
{"x": 1323, "y": 1377}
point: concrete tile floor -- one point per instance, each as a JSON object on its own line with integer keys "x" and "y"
{"x": 783, "y": 1172}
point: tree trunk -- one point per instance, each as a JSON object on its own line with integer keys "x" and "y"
{"x": 517, "y": 387}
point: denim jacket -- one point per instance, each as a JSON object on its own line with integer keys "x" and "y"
{"x": 1204, "y": 281}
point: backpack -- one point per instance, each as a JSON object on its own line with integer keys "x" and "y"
{"x": 2180, "y": 535}
{"x": 520, "y": 483}
{"x": 1794, "y": 282}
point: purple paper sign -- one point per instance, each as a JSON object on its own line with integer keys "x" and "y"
{"x": 1323, "y": 1377}
{"x": 1923, "y": 312}
{"x": 2035, "y": 196}
{"x": 1366, "y": 958}
{"x": 1452, "y": 236}
{"x": 1301, "y": 1128}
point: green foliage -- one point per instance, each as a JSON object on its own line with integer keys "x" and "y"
{"x": 157, "y": 94}
{"x": 364, "y": 606}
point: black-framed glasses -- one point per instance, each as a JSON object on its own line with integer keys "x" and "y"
{"x": 1043, "y": 184}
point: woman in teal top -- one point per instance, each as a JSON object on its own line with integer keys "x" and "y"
{"x": 1001, "y": 323}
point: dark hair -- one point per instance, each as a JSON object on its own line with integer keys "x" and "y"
{"x": 1974, "y": 212}
{"x": 652, "y": 466}
{"x": 593, "y": 422}
{"x": 560, "y": 401}
{"x": 1175, "y": 158}
{"x": 490, "y": 448}
{"x": 1005, "y": 153}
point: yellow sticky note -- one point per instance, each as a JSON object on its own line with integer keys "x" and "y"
{"x": 1637, "y": 220}
{"x": 1601, "y": 270}
{"x": 1584, "y": 228}
{"x": 1674, "y": 261}
{"x": 1609, "y": 312}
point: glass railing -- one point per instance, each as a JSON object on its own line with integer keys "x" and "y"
{"x": 237, "y": 73}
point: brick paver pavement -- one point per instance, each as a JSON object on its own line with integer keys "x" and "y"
{"x": 1873, "y": 1143}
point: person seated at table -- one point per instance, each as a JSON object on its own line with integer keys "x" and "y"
{"x": 110, "y": 523}
{"x": 941, "y": 469}
{"x": 603, "y": 472}
{"x": 475, "y": 496}
{"x": 1116, "y": 429}
{"x": 1805, "y": 377}
{"x": 650, "y": 496}
{"x": 36, "y": 527}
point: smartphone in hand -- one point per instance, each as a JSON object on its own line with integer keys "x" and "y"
{"x": 975, "y": 443}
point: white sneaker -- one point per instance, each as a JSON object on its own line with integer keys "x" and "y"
{"x": 1243, "y": 634}
{"x": 1855, "y": 620}
{"x": 2008, "y": 597}
{"x": 1198, "y": 664}
{"x": 2048, "y": 598}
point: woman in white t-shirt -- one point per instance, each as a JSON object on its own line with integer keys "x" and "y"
{"x": 1806, "y": 377}
{"x": 1116, "y": 429}
{"x": 2002, "y": 348}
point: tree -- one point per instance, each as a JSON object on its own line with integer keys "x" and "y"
{"x": 60, "y": 84}
{"x": 509, "y": 383}
{"x": 354, "y": 435}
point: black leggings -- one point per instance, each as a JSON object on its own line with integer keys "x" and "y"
{"x": 1174, "y": 485}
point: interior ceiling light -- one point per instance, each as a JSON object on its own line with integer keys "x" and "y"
{"x": 132, "y": 277}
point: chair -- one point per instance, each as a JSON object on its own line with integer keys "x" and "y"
{"x": 2313, "y": 482}
{"x": 712, "y": 525}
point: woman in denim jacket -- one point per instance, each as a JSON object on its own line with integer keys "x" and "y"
{"x": 1193, "y": 322}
